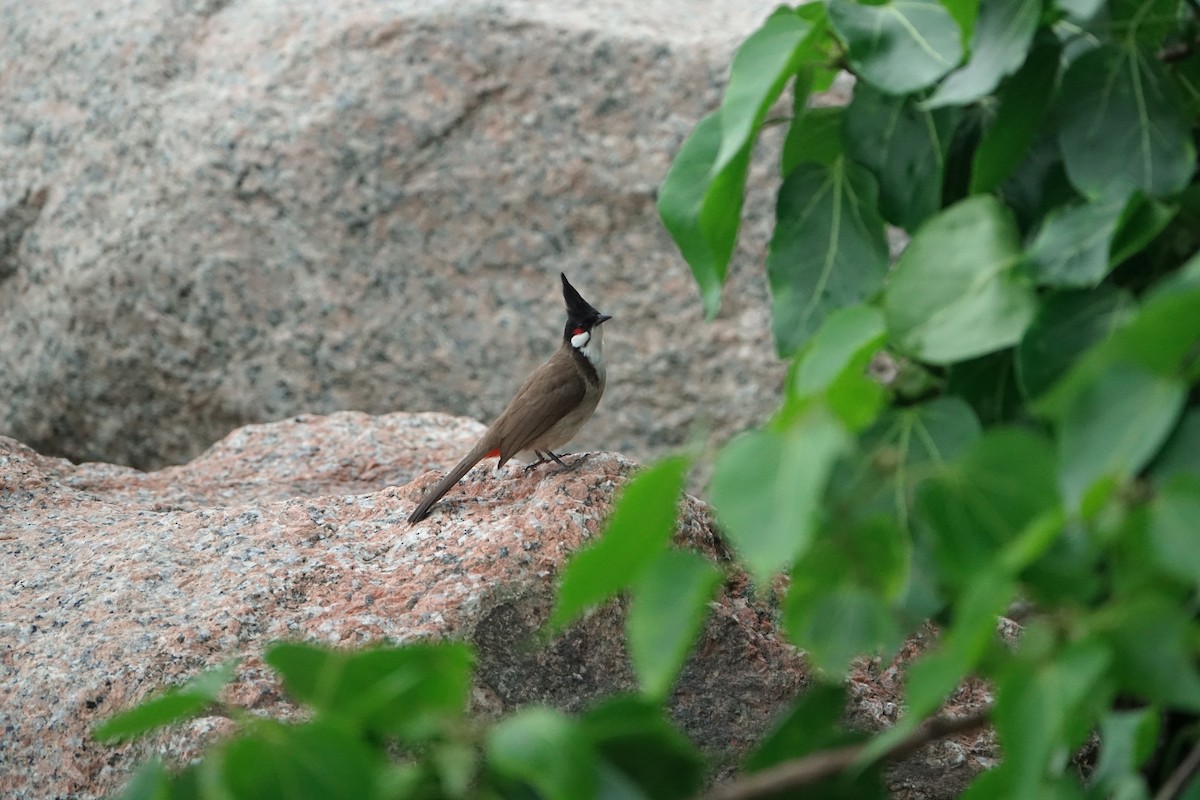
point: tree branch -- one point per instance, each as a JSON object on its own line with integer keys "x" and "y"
{"x": 815, "y": 767}
{"x": 1179, "y": 777}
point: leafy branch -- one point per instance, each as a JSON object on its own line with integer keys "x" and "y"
{"x": 809, "y": 770}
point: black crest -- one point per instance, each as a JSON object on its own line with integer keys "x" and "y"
{"x": 580, "y": 313}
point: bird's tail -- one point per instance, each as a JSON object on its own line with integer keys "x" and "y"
{"x": 481, "y": 450}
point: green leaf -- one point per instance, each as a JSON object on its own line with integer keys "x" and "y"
{"x": 815, "y": 136}
{"x": 1022, "y": 106}
{"x": 670, "y": 601}
{"x": 1080, "y": 10}
{"x": 1068, "y": 572}
{"x": 904, "y": 146}
{"x": 412, "y": 779}
{"x": 702, "y": 210}
{"x": 316, "y": 760}
{"x": 1066, "y": 325}
{"x": 1127, "y": 738}
{"x": 847, "y": 336}
{"x": 1181, "y": 454}
{"x": 903, "y": 448}
{"x": 197, "y": 782}
{"x": 965, "y": 13}
{"x": 544, "y": 749}
{"x": 856, "y": 398}
{"x": 829, "y": 249}
{"x": 150, "y": 781}
{"x": 1001, "y": 781}
{"x": 874, "y": 553}
{"x": 836, "y": 363}
{"x": 932, "y": 434}
{"x": 1142, "y": 220}
{"x": 956, "y": 291}
{"x": 641, "y": 525}
{"x": 762, "y": 66}
{"x": 1114, "y": 425}
{"x": 1121, "y": 125}
{"x": 971, "y": 632}
{"x": 1152, "y": 639}
{"x": 1187, "y": 77}
{"x": 1161, "y": 337}
{"x": 1080, "y": 243}
{"x": 612, "y": 784}
{"x": 1038, "y": 183}
{"x": 964, "y": 141}
{"x": 1001, "y": 40}
{"x": 174, "y": 705}
{"x": 1034, "y": 706}
{"x": 407, "y": 690}
{"x": 1172, "y": 528}
{"x": 1182, "y": 282}
{"x": 1144, "y": 22}
{"x": 882, "y": 553}
{"x": 767, "y": 485}
{"x": 1072, "y": 247}
{"x": 633, "y": 736}
{"x": 835, "y": 625}
{"x": 900, "y": 47}
{"x": 839, "y": 602}
{"x": 989, "y": 384}
{"x": 456, "y": 763}
{"x": 811, "y": 725}
{"x": 1034, "y": 541}
{"x": 977, "y": 507}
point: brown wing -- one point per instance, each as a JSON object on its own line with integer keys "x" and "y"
{"x": 553, "y": 390}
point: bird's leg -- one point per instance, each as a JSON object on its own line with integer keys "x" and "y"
{"x": 545, "y": 457}
{"x": 541, "y": 460}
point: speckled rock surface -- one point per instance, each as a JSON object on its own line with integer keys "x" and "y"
{"x": 114, "y": 583}
{"x": 944, "y": 768}
{"x": 230, "y": 211}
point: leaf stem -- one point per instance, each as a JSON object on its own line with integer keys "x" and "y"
{"x": 1180, "y": 775}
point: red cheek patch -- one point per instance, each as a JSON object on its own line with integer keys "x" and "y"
{"x": 577, "y": 331}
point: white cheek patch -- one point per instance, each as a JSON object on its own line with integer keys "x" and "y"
{"x": 580, "y": 340}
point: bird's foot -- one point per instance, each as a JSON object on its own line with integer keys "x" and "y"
{"x": 545, "y": 457}
{"x": 541, "y": 460}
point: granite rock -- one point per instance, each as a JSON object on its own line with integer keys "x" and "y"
{"x": 249, "y": 209}
{"x": 115, "y": 583}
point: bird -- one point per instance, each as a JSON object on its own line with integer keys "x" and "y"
{"x": 550, "y": 407}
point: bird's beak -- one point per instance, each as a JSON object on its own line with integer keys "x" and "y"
{"x": 603, "y": 319}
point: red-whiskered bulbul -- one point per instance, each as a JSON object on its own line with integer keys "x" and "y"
{"x": 551, "y": 406}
